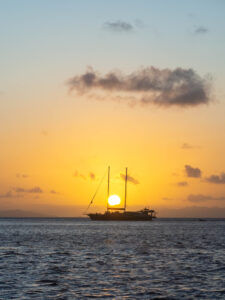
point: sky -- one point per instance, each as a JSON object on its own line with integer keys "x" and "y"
{"x": 88, "y": 84}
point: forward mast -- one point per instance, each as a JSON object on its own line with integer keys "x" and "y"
{"x": 125, "y": 194}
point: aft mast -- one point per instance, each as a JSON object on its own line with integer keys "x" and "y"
{"x": 125, "y": 198}
{"x": 108, "y": 187}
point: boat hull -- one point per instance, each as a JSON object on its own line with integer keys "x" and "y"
{"x": 126, "y": 216}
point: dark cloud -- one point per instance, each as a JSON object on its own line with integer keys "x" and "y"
{"x": 118, "y": 26}
{"x": 186, "y": 146}
{"x": 35, "y": 190}
{"x": 18, "y": 175}
{"x": 179, "y": 87}
{"x": 202, "y": 198}
{"x": 201, "y": 30}
{"x": 192, "y": 172}
{"x": 92, "y": 176}
{"x": 217, "y": 179}
{"x": 182, "y": 183}
{"x": 130, "y": 179}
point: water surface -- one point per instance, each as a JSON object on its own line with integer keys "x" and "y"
{"x": 82, "y": 259}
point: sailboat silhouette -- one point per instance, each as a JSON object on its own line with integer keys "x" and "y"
{"x": 120, "y": 213}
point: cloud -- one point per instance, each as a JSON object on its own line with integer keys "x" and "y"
{"x": 201, "y": 30}
{"x": 217, "y": 179}
{"x": 202, "y": 198}
{"x": 186, "y": 146}
{"x": 139, "y": 23}
{"x": 193, "y": 172}
{"x": 130, "y": 179}
{"x": 175, "y": 174}
{"x": 182, "y": 183}
{"x": 35, "y": 190}
{"x": 53, "y": 192}
{"x": 6, "y": 195}
{"x": 9, "y": 194}
{"x": 44, "y": 132}
{"x": 167, "y": 199}
{"x": 77, "y": 174}
{"x": 92, "y": 176}
{"x": 118, "y": 26}
{"x": 191, "y": 15}
{"x": 163, "y": 87}
{"x": 18, "y": 175}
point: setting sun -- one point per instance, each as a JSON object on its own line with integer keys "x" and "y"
{"x": 114, "y": 200}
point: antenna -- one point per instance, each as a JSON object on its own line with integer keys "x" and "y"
{"x": 125, "y": 199}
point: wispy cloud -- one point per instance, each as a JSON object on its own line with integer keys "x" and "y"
{"x": 92, "y": 176}
{"x": 35, "y": 190}
{"x": 201, "y": 30}
{"x": 130, "y": 179}
{"x": 167, "y": 199}
{"x": 6, "y": 195}
{"x": 202, "y": 198}
{"x": 179, "y": 87}
{"x": 118, "y": 26}
{"x": 182, "y": 183}
{"x": 11, "y": 194}
{"x": 44, "y": 132}
{"x": 79, "y": 175}
{"x": 217, "y": 179}
{"x": 186, "y": 146}
{"x": 139, "y": 23}
{"x": 18, "y": 175}
{"x": 192, "y": 172}
{"x": 175, "y": 174}
{"x": 54, "y": 192}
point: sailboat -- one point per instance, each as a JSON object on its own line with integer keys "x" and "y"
{"x": 120, "y": 213}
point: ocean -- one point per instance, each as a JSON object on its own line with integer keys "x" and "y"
{"x": 83, "y": 259}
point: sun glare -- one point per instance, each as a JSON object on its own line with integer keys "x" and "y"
{"x": 114, "y": 200}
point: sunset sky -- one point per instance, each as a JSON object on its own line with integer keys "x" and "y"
{"x": 132, "y": 83}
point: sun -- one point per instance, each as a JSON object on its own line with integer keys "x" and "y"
{"x": 114, "y": 200}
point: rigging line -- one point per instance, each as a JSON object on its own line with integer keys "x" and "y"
{"x": 95, "y": 193}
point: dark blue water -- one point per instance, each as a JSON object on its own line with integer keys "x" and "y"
{"x": 82, "y": 259}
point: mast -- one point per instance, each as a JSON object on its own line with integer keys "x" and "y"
{"x": 108, "y": 187}
{"x": 125, "y": 199}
